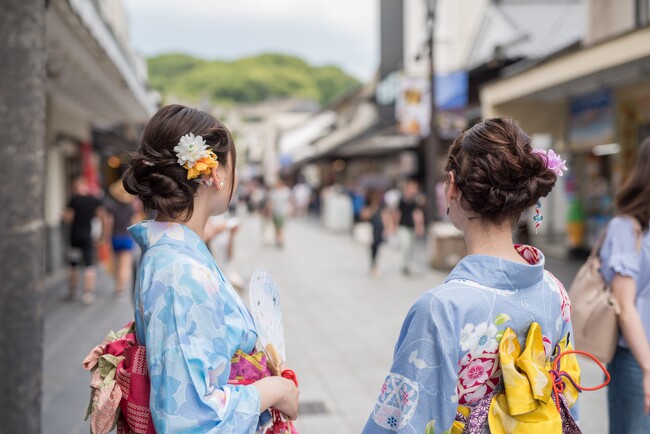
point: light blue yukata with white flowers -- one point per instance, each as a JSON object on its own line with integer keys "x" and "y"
{"x": 192, "y": 322}
{"x": 447, "y": 353}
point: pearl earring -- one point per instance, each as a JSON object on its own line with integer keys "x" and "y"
{"x": 221, "y": 185}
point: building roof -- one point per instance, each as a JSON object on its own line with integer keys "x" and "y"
{"x": 527, "y": 29}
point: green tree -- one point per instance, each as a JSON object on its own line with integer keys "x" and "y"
{"x": 247, "y": 80}
{"x": 333, "y": 83}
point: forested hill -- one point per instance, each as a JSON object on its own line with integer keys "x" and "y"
{"x": 247, "y": 80}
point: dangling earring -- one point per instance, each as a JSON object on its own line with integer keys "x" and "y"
{"x": 538, "y": 217}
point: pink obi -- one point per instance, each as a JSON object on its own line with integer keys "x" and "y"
{"x": 120, "y": 384}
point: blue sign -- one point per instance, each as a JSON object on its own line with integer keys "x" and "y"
{"x": 451, "y": 90}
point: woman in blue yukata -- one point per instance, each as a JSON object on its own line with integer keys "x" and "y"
{"x": 186, "y": 312}
{"x": 474, "y": 354}
{"x": 625, "y": 265}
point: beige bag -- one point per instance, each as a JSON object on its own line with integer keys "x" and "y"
{"x": 594, "y": 311}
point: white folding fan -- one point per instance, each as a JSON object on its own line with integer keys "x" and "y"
{"x": 264, "y": 302}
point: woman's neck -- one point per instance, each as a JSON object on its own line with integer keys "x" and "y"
{"x": 492, "y": 240}
{"x": 196, "y": 223}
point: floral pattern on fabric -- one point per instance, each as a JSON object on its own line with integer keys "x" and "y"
{"x": 192, "y": 323}
{"x": 558, "y": 288}
{"x": 397, "y": 402}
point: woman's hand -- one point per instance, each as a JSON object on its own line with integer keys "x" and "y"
{"x": 289, "y": 402}
{"x": 280, "y": 393}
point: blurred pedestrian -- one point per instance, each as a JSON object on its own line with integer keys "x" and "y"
{"x": 410, "y": 221}
{"x": 625, "y": 259}
{"x": 280, "y": 208}
{"x": 187, "y": 314}
{"x": 82, "y": 209}
{"x": 301, "y": 197}
{"x": 380, "y": 220}
{"x": 120, "y": 207}
{"x": 498, "y": 316}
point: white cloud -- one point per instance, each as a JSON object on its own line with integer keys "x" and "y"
{"x": 342, "y": 32}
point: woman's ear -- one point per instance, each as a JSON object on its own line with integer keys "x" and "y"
{"x": 452, "y": 188}
{"x": 214, "y": 175}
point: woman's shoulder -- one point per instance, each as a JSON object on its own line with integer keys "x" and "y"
{"x": 620, "y": 224}
{"x": 449, "y": 298}
{"x": 167, "y": 262}
{"x": 621, "y": 236}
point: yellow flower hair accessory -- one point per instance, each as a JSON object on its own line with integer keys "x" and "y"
{"x": 195, "y": 155}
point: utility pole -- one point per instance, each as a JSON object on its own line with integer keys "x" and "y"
{"x": 432, "y": 144}
{"x": 22, "y": 248}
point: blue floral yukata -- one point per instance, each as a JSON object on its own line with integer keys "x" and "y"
{"x": 447, "y": 353}
{"x": 192, "y": 322}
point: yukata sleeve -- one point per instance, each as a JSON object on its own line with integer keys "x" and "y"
{"x": 189, "y": 360}
{"x": 620, "y": 255}
{"x": 420, "y": 390}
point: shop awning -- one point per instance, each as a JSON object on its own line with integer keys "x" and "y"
{"x": 384, "y": 141}
{"x": 622, "y": 60}
{"x": 90, "y": 71}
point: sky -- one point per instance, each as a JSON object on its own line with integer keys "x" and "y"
{"x": 344, "y": 33}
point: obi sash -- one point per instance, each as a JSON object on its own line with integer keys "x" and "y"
{"x": 120, "y": 384}
{"x": 536, "y": 392}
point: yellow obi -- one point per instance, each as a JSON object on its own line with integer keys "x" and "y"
{"x": 525, "y": 405}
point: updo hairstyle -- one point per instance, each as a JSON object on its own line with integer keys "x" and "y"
{"x": 496, "y": 172}
{"x": 154, "y": 174}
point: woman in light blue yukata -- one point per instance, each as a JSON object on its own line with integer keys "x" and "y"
{"x": 625, "y": 259}
{"x": 475, "y": 354}
{"x": 186, "y": 313}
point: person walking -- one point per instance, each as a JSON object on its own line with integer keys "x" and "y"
{"x": 82, "y": 208}
{"x": 187, "y": 315}
{"x": 280, "y": 207}
{"x": 410, "y": 221}
{"x": 379, "y": 217}
{"x": 475, "y": 353}
{"x": 625, "y": 266}
{"x": 121, "y": 214}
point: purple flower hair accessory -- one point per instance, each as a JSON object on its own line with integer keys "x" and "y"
{"x": 553, "y": 161}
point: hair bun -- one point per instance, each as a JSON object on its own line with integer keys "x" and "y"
{"x": 496, "y": 171}
{"x": 158, "y": 186}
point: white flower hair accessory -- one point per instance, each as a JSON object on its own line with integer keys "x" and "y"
{"x": 195, "y": 155}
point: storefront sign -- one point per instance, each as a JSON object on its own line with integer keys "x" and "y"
{"x": 591, "y": 120}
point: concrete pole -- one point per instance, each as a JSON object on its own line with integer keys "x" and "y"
{"x": 22, "y": 248}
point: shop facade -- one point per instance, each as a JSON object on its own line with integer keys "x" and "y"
{"x": 592, "y": 104}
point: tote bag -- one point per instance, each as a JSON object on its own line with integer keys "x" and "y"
{"x": 594, "y": 311}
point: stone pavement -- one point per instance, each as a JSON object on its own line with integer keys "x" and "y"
{"x": 71, "y": 331}
{"x": 341, "y": 326}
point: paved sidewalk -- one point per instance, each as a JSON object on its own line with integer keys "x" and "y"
{"x": 341, "y": 327}
{"x": 71, "y": 331}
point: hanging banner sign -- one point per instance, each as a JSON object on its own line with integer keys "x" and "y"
{"x": 413, "y": 106}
